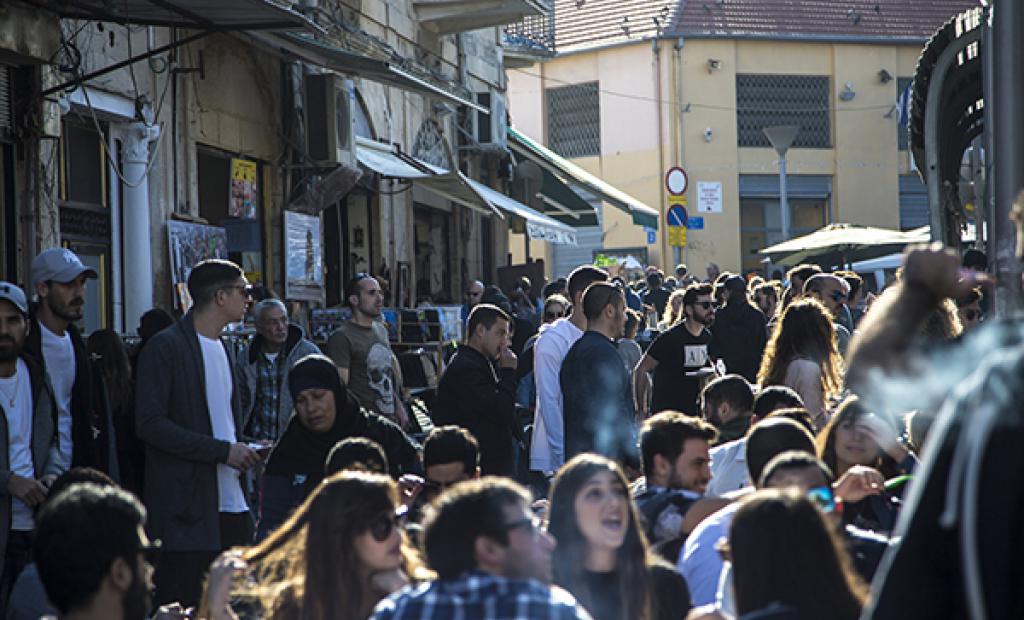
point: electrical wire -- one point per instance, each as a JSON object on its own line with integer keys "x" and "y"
{"x": 708, "y": 106}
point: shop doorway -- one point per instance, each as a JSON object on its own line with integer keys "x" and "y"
{"x": 432, "y": 237}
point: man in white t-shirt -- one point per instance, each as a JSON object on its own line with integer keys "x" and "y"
{"x": 84, "y": 425}
{"x": 28, "y": 455}
{"x": 189, "y": 416}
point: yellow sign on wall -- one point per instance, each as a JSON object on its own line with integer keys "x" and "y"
{"x": 676, "y": 200}
{"x": 677, "y": 236}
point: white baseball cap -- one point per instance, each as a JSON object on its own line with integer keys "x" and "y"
{"x": 14, "y": 294}
{"x": 60, "y": 265}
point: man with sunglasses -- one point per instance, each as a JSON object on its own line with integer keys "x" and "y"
{"x": 492, "y": 557}
{"x": 189, "y": 416}
{"x": 676, "y": 358}
{"x": 474, "y": 295}
{"x": 832, "y": 292}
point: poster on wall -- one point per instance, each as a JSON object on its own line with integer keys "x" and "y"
{"x": 243, "y": 198}
{"x": 189, "y": 244}
{"x": 304, "y": 270}
{"x": 709, "y": 197}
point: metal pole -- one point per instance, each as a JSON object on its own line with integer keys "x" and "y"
{"x": 783, "y": 197}
{"x": 1008, "y": 162}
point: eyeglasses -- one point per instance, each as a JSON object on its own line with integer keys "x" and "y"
{"x": 151, "y": 552}
{"x": 535, "y": 524}
{"x": 825, "y": 499}
{"x": 382, "y": 526}
{"x": 707, "y": 305}
{"x": 838, "y": 295}
{"x": 971, "y": 314}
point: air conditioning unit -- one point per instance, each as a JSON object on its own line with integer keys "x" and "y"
{"x": 330, "y": 119}
{"x": 491, "y": 130}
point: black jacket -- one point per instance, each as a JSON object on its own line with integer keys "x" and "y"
{"x": 297, "y": 463}
{"x": 738, "y": 337}
{"x": 477, "y": 396}
{"x": 92, "y": 435}
{"x": 597, "y": 399}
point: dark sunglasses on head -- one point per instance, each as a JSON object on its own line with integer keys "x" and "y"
{"x": 382, "y": 526}
{"x": 972, "y": 314}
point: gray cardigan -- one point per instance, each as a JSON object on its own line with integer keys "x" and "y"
{"x": 173, "y": 421}
{"x": 43, "y": 444}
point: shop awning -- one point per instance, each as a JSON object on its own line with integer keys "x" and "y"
{"x": 322, "y": 54}
{"x": 455, "y": 186}
{"x": 569, "y": 173}
{"x": 388, "y": 161}
{"x": 192, "y": 14}
{"x": 538, "y": 225}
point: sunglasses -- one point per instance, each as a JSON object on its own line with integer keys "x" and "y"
{"x": 553, "y": 315}
{"x": 838, "y": 295}
{"x": 707, "y": 305}
{"x": 382, "y": 526}
{"x": 972, "y": 314}
{"x": 245, "y": 289}
{"x": 151, "y": 552}
{"x": 825, "y": 499}
{"x": 534, "y": 523}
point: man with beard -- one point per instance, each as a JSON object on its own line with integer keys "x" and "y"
{"x": 94, "y": 556}
{"x": 360, "y": 350}
{"x": 84, "y": 424}
{"x": 27, "y": 435}
{"x": 676, "y": 358}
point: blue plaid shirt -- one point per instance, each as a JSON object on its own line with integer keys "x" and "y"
{"x": 480, "y": 596}
{"x": 269, "y": 379}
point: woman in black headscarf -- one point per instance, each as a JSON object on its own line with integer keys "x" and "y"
{"x": 325, "y": 413}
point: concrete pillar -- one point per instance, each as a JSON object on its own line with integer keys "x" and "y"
{"x": 138, "y": 247}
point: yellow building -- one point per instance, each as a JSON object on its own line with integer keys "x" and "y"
{"x": 692, "y": 84}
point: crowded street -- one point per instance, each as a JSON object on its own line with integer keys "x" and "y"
{"x": 514, "y": 310}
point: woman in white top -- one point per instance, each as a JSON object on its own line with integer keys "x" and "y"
{"x": 802, "y": 354}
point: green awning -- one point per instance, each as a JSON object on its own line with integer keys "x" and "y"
{"x": 568, "y": 173}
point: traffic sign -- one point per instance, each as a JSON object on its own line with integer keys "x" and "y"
{"x": 695, "y": 223}
{"x": 676, "y": 217}
{"x": 677, "y": 200}
{"x": 677, "y": 236}
{"x": 676, "y": 181}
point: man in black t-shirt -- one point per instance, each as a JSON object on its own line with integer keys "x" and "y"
{"x": 675, "y": 357}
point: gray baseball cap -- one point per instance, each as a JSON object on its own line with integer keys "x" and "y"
{"x": 60, "y": 265}
{"x": 14, "y": 294}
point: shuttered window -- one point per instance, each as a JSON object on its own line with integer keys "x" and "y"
{"x": 765, "y": 100}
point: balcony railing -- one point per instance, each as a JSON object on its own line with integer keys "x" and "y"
{"x": 530, "y": 40}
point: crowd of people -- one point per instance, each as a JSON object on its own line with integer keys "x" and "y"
{"x": 673, "y": 448}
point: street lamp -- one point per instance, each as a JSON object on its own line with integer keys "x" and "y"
{"x": 781, "y": 138}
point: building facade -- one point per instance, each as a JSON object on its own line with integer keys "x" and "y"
{"x": 307, "y": 144}
{"x": 693, "y": 85}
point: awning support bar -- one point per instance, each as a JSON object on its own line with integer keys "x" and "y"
{"x": 78, "y": 81}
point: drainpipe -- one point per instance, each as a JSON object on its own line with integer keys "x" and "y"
{"x": 677, "y": 57}
{"x": 656, "y": 62}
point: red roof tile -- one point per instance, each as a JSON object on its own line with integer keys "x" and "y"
{"x": 820, "y": 19}
{"x": 584, "y": 24}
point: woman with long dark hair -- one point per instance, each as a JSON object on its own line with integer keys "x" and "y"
{"x": 786, "y": 557}
{"x": 107, "y": 348}
{"x": 335, "y": 558}
{"x": 602, "y": 556}
{"x": 802, "y": 354}
{"x": 856, "y": 437}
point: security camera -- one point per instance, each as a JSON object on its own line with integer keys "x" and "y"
{"x": 707, "y": 134}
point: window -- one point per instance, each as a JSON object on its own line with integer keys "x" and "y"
{"x": 574, "y": 120}
{"x": 767, "y": 100}
{"x": 903, "y": 130}
{"x": 761, "y": 224}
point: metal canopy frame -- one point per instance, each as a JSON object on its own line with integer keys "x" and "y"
{"x": 192, "y": 14}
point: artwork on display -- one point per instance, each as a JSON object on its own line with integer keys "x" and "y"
{"x": 304, "y": 271}
{"x": 244, "y": 192}
{"x": 189, "y": 243}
